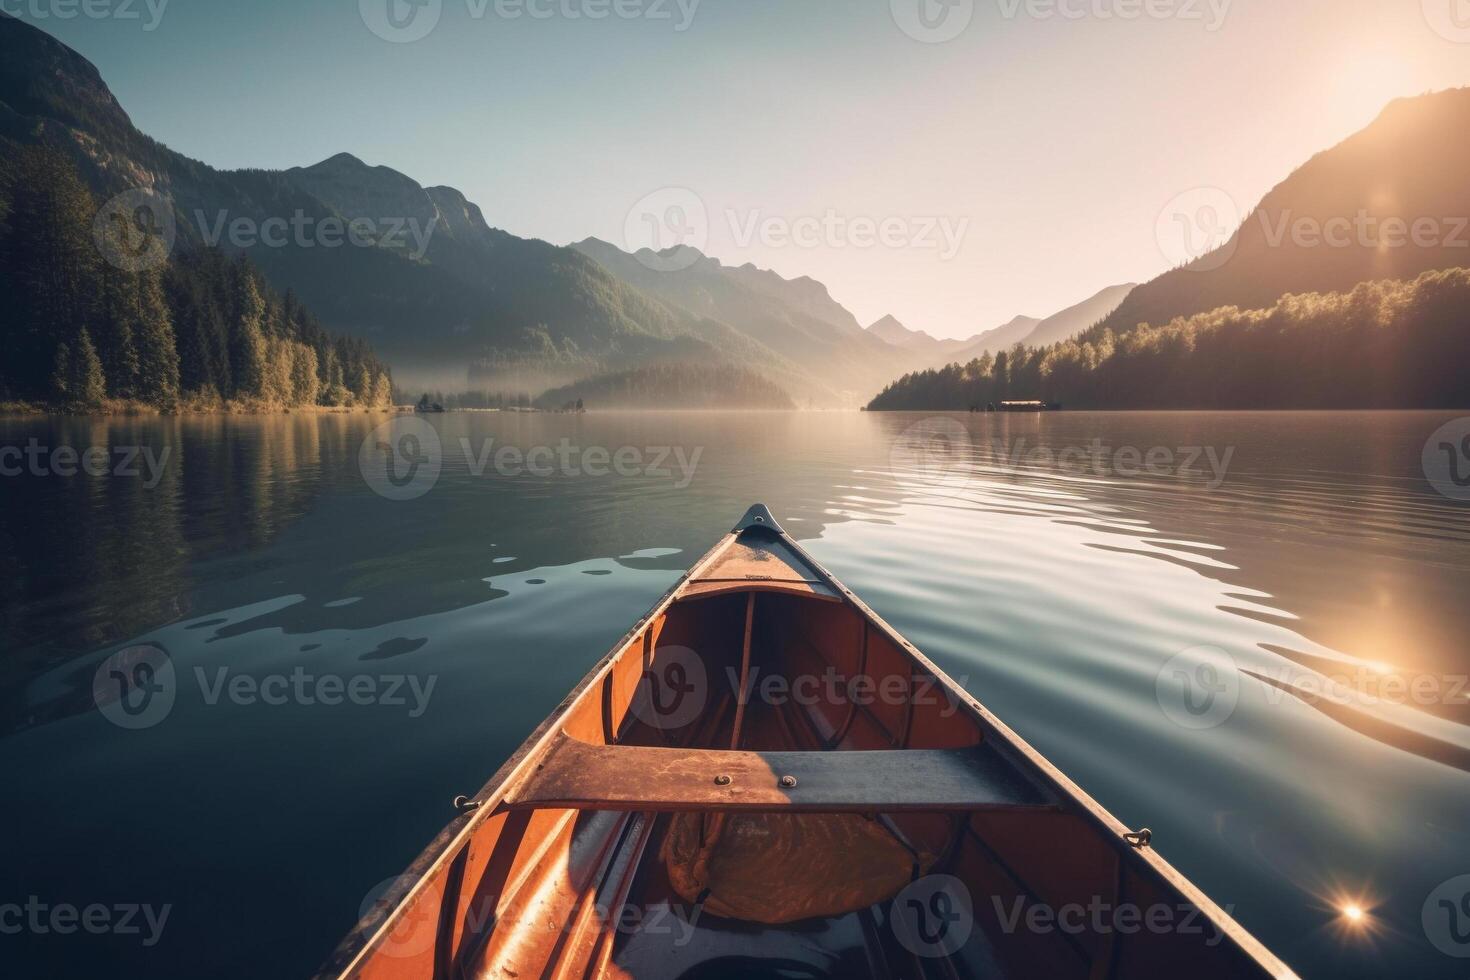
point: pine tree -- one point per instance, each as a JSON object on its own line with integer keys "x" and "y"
{"x": 77, "y": 380}
{"x": 49, "y": 263}
{"x": 247, "y": 340}
{"x": 305, "y": 385}
{"x": 118, "y": 316}
{"x": 158, "y": 355}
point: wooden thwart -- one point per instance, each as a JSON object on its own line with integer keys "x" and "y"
{"x": 576, "y": 775}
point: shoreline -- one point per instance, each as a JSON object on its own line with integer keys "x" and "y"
{"x": 130, "y": 409}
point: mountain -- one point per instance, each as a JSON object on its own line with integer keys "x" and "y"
{"x": 1001, "y": 338}
{"x": 666, "y": 386}
{"x": 1408, "y": 166}
{"x": 445, "y": 295}
{"x": 1075, "y": 319}
{"x": 1388, "y": 344}
{"x": 892, "y": 331}
{"x": 796, "y": 318}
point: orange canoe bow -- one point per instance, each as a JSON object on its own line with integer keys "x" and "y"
{"x": 764, "y": 779}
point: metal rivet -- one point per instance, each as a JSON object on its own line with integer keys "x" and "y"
{"x": 722, "y": 780}
{"x": 788, "y": 781}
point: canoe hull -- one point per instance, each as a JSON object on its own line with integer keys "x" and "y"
{"x": 761, "y": 697}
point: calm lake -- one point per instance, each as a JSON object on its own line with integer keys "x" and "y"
{"x": 1259, "y": 655}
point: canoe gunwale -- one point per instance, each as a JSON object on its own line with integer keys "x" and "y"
{"x": 494, "y": 797}
{"x": 444, "y": 848}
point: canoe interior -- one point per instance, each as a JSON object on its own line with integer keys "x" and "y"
{"x": 558, "y": 874}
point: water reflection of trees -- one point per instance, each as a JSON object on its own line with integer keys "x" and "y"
{"x": 90, "y": 561}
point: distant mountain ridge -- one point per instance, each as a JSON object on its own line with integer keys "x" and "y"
{"x": 1075, "y": 319}
{"x": 1408, "y": 165}
{"x": 891, "y": 330}
{"x": 796, "y": 318}
{"x": 1000, "y": 338}
{"x": 521, "y": 313}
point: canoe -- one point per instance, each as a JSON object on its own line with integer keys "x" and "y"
{"x": 764, "y": 779}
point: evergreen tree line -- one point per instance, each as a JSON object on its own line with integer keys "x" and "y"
{"x": 455, "y": 401}
{"x": 198, "y": 329}
{"x": 1387, "y": 344}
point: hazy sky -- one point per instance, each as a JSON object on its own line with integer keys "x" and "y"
{"x": 1052, "y": 142}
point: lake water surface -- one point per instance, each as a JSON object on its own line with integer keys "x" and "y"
{"x": 1261, "y": 657}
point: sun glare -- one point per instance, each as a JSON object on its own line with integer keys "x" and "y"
{"x": 1354, "y": 920}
